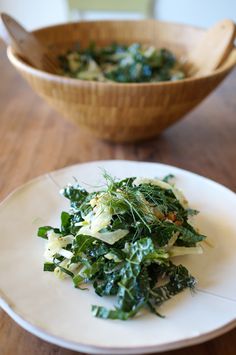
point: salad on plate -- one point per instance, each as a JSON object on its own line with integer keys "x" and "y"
{"x": 123, "y": 239}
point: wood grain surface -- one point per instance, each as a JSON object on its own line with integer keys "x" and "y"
{"x": 34, "y": 139}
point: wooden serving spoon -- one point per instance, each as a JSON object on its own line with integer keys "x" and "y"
{"x": 28, "y": 46}
{"x": 211, "y": 52}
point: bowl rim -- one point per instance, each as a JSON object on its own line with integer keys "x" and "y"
{"x": 101, "y": 21}
{"x": 19, "y": 63}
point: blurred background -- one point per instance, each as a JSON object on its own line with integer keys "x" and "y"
{"x": 202, "y": 13}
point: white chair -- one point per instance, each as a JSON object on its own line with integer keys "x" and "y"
{"x": 145, "y": 8}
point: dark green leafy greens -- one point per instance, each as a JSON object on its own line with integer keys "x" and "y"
{"x": 121, "y": 63}
{"x": 121, "y": 239}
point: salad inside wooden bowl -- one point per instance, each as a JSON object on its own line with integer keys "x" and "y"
{"x": 132, "y": 63}
{"x": 127, "y": 110}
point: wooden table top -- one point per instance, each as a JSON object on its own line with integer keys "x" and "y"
{"x": 34, "y": 139}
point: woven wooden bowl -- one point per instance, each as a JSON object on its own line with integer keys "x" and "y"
{"x": 114, "y": 111}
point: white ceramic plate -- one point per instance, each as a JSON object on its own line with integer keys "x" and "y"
{"x": 58, "y": 313}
